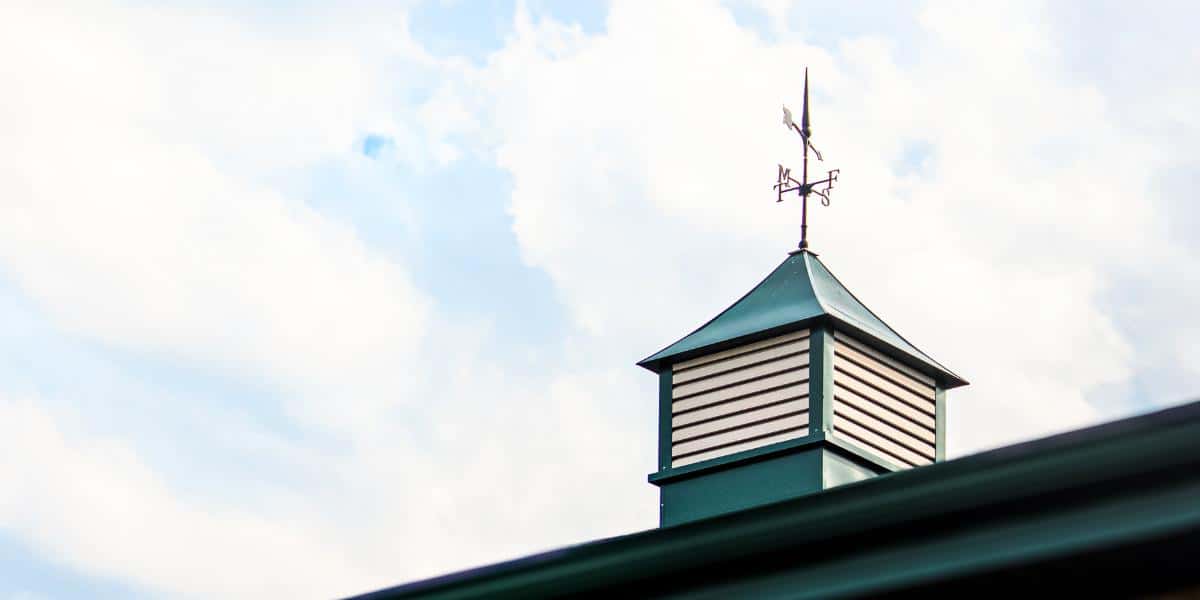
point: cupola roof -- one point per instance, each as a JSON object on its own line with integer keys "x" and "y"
{"x": 801, "y": 290}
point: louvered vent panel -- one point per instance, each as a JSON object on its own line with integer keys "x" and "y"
{"x": 882, "y": 405}
{"x": 739, "y": 399}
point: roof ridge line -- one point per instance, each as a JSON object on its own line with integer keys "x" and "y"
{"x": 872, "y": 313}
{"x": 806, "y": 253}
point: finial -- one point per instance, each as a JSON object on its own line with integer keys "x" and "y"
{"x": 785, "y": 183}
{"x": 805, "y": 129}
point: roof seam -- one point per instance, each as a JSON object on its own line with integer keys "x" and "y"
{"x": 812, "y": 284}
{"x": 878, "y": 318}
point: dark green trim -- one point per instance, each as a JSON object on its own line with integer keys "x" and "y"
{"x": 725, "y": 462}
{"x": 780, "y": 477}
{"x": 1020, "y": 544}
{"x": 867, "y": 338}
{"x": 762, "y": 476}
{"x": 939, "y": 396}
{"x": 820, "y": 378}
{"x": 664, "y": 419}
{"x": 749, "y": 338}
{"x": 1130, "y": 482}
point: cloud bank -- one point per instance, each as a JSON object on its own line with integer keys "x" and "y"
{"x": 268, "y": 397}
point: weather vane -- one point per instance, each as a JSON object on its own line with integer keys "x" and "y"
{"x": 786, "y": 183}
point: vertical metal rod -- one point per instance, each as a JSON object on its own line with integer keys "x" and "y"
{"x": 804, "y": 200}
{"x": 805, "y": 132}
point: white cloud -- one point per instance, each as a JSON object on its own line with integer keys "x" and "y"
{"x": 136, "y": 210}
{"x": 146, "y": 218}
{"x": 504, "y": 473}
{"x": 94, "y": 505}
{"x": 642, "y": 161}
{"x": 140, "y": 207}
{"x": 139, "y": 216}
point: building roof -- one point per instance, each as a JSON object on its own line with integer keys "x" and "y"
{"x": 801, "y": 290}
{"x": 1113, "y": 505}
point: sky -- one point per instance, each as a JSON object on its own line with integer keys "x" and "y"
{"x": 308, "y": 299}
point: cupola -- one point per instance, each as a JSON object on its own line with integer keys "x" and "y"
{"x": 795, "y": 388}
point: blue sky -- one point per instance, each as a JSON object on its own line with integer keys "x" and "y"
{"x": 287, "y": 286}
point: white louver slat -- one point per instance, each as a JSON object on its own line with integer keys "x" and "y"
{"x": 882, "y": 405}
{"x": 739, "y": 399}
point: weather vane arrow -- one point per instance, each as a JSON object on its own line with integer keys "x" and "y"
{"x": 785, "y": 183}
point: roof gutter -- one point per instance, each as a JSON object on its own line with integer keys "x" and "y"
{"x": 1123, "y": 459}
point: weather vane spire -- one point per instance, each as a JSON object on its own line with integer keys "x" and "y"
{"x": 786, "y": 183}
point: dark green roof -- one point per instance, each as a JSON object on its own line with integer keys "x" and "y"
{"x": 799, "y": 291}
{"x": 1111, "y": 508}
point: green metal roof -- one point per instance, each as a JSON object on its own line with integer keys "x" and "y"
{"x": 1096, "y": 509}
{"x": 800, "y": 290}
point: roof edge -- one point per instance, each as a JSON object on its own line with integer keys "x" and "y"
{"x": 657, "y": 365}
{"x": 654, "y": 361}
{"x": 946, "y": 378}
{"x": 1162, "y": 448}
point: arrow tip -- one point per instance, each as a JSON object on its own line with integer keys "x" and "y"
{"x": 805, "y": 130}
